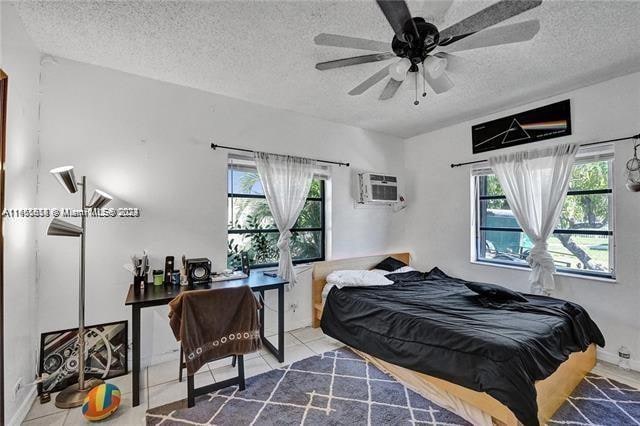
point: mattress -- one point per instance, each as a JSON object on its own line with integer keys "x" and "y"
{"x": 432, "y": 323}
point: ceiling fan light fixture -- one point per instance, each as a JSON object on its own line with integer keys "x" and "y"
{"x": 416, "y": 40}
{"x": 435, "y": 66}
{"x": 398, "y": 71}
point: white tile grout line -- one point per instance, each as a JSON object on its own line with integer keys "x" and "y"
{"x": 307, "y": 346}
{"x": 147, "y": 388}
{"x": 330, "y": 396}
{"x": 599, "y": 371}
{"x": 27, "y": 422}
{"x": 294, "y": 337}
{"x": 613, "y": 373}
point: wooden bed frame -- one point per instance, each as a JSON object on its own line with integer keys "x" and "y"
{"x": 552, "y": 391}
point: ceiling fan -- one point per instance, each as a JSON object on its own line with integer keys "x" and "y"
{"x": 425, "y": 50}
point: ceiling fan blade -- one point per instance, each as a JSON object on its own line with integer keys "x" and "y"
{"x": 355, "y": 60}
{"x": 365, "y": 85}
{"x": 390, "y": 89}
{"x": 454, "y": 62}
{"x": 434, "y": 11}
{"x": 506, "y": 34}
{"x": 336, "y": 40}
{"x": 440, "y": 84}
{"x": 397, "y": 13}
{"x": 492, "y": 15}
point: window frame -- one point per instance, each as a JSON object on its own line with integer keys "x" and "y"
{"x": 321, "y": 229}
{"x": 477, "y": 227}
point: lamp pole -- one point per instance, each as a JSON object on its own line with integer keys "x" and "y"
{"x": 81, "y": 342}
{"x": 73, "y": 396}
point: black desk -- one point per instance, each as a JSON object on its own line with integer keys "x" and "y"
{"x": 160, "y": 295}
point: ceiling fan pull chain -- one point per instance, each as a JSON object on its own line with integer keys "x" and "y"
{"x": 416, "y": 101}
{"x": 424, "y": 83}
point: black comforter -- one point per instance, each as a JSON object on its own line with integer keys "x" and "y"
{"x": 434, "y": 324}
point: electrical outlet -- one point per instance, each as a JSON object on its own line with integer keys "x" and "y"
{"x": 293, "y": 306}
{"x": 16, "y": 388}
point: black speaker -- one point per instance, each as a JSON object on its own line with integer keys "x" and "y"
{"x": 168, "y": 269}
{"x": 198, "y": 271}
{"x": 244, "y": 258}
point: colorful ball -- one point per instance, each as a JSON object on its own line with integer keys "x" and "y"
{"x": 101, "y": 402}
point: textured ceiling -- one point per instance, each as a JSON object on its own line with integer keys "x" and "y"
{"x": 263, "y": 52}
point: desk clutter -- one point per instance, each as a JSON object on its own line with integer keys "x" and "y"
{"x": 193, "y": 273}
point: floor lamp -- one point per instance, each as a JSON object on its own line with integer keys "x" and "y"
{"x": 73, "y": 396}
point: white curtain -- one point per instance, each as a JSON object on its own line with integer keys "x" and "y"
{"x": 286, "y": 182}
{"x": 535, "y": 184}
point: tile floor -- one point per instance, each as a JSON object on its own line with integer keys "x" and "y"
{"x": 164, "y": 386}
{"x": 612, "y": 371}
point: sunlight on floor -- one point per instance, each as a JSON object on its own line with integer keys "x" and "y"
{"x": 164, "y": 386}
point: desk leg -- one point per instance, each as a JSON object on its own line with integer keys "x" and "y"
{"x": 262, "y": 315}
{"x": 279, "y": 351}
{"x": 135, "y": 325}
{"x": 281, "y": 324}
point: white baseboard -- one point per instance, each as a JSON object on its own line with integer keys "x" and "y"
{"x": 613, "y": 359}
{"x": 24, "y": 408}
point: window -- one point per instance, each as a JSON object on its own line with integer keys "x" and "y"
{"x": 583, "y": 241}
{"x": 251, "y": 227}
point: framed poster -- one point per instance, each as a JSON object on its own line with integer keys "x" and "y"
{"x": 106, "y": 355}
{"x": 547, "y": 122}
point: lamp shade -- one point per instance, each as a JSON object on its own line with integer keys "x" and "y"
{"x": 66, "y": 177}
{"x": 99, "y": 199}
{"x": 61, "y": 228}
{"x": 435, "y": 66}
{"x": 398, "y": 71}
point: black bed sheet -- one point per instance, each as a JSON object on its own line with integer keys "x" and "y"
{"x": 434, "y": 324}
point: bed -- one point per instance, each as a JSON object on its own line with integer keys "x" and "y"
{"x": 428, "y": 333}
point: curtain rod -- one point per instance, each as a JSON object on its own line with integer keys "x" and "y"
{"x": 584, "y": 144}
{"x": 215, "y": 146}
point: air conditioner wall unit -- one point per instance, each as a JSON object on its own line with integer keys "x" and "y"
{"x": 378, "y": 188}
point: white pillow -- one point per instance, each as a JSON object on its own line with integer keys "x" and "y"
{"x": 325, "y": 291}
{"x": 402, "y": 270}
{"x": 397, "y": 271}
{"x": 357, "y": 278}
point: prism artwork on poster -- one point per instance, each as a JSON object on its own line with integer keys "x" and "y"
{"x": 547, "y": 122}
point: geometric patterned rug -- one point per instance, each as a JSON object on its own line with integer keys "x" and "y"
{"x": 600, "y": 401}
{"x": 337, "y": 387}
{"x": 341, "y": 388}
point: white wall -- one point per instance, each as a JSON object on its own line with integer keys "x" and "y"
{"x": 438, "y": 218}
{"x": 21, "y": 61}
{"x": 147, "y": 143}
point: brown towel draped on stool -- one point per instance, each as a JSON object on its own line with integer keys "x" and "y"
{"x": 215, "y": 323}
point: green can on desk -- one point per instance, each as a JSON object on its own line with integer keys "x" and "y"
{"x": 158, "y": 277}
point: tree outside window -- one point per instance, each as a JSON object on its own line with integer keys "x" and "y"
{"x": 583, "y": 239}
{"x": 251, "y": 227}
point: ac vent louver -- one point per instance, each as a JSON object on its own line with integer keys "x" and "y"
{"x": 377, "y": 188}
